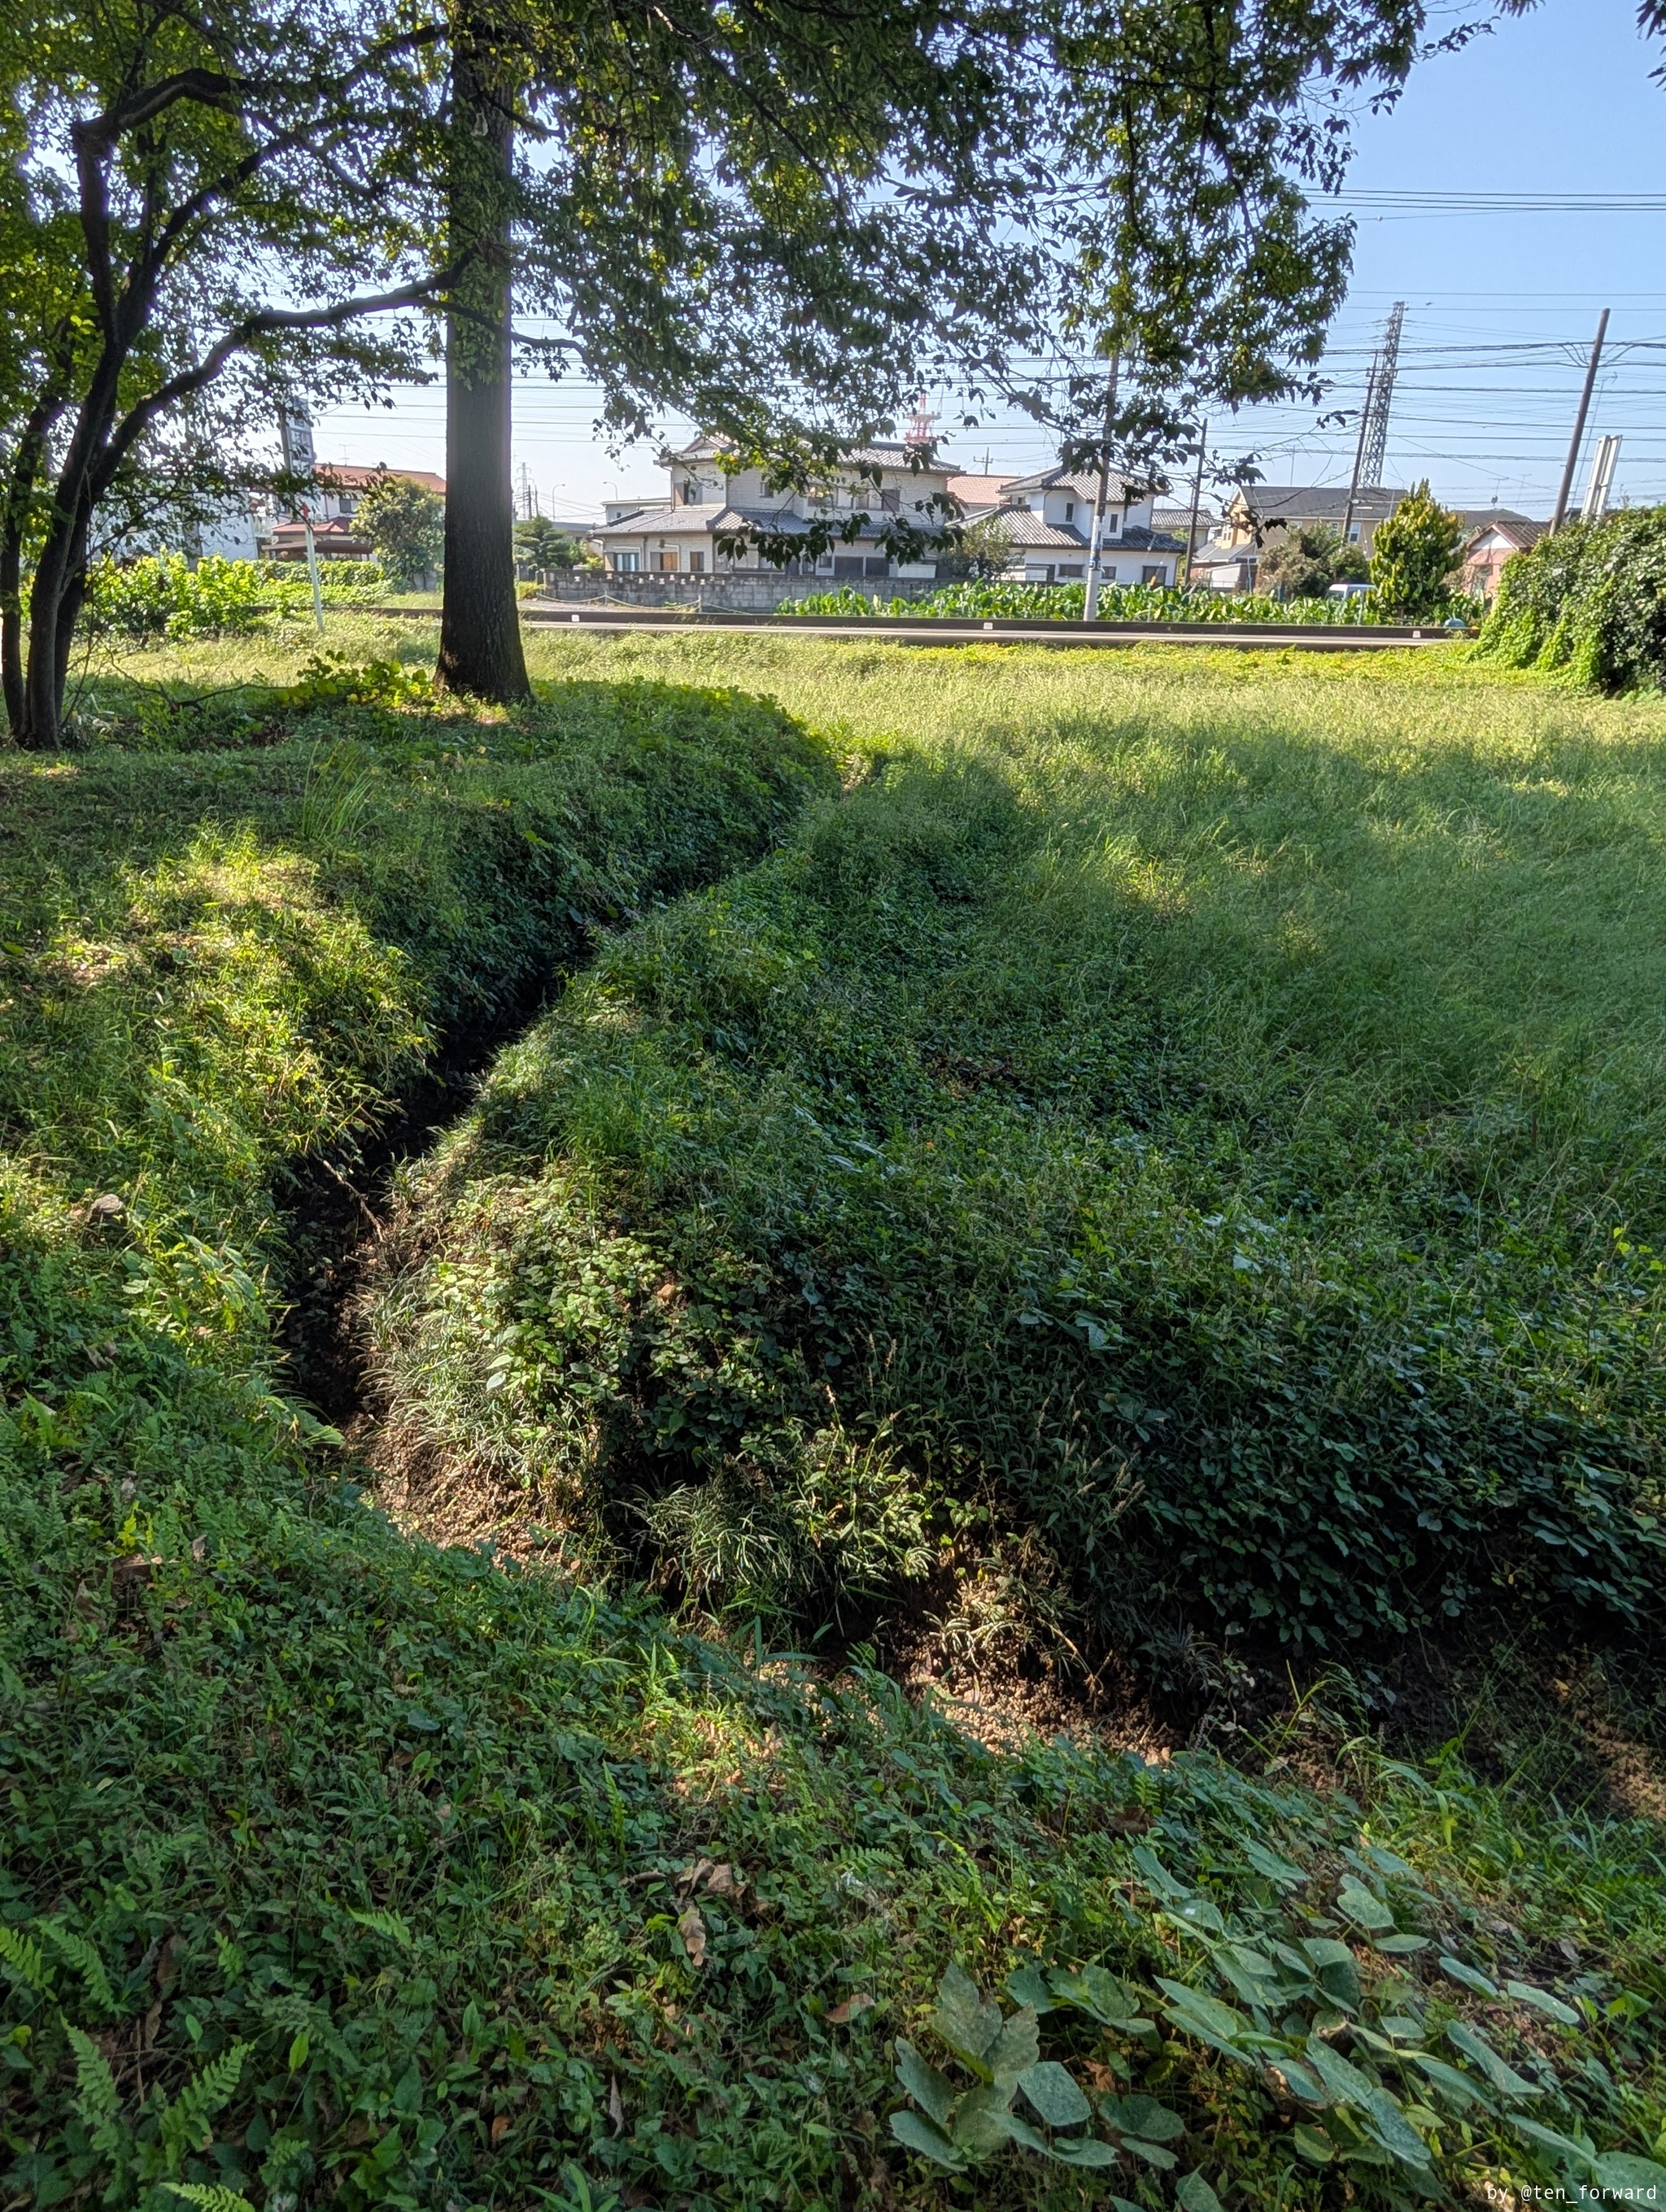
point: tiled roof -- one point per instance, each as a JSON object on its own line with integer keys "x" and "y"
{"x": 348, "y": 477}
{"x": 1522, "y": 532}
{"x": 701, "y": 522}
{"x": 1317, "y": 502}
{"x": 887, "y": 453}
{"x": 979, "y": 491}
{"x": 1083, "y": 483}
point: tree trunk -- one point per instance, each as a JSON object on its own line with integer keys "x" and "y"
{"x": 480, "y": 650}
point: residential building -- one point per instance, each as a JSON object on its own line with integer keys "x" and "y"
{"x": 708, "y": 499}
{"x": 1255, "y": 514}
{"x": 1494, "y": 534}
{"x": 1050, "y": 518}
{"x": 342, "y": 488}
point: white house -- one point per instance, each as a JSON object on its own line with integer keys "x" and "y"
{"x": 1048, "y": 518}
{"x": 707, "y": 497}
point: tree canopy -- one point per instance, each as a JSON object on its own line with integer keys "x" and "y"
{"x": 1414, "y": 559}
{"x": 405, "y": 523}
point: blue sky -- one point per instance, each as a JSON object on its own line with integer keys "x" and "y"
{"x": 1559, "y": 100}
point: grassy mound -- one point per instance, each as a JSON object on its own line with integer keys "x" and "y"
{"x": 338, "y": 1868}
{"x": 1190, "y": 1168}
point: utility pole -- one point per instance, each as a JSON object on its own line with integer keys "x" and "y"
{"x": 1579, "y": 437}
{"x": 1197, "y": 501}
{"x": 1359, "y": 451}
{"x": 1090, "y": 596}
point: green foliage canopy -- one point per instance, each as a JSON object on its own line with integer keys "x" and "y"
{"x": 1590, "y": 601}
{"x": 406, "y": 522}
{"x": 1304, "y": 563}
{"x": 1414, "y": 560}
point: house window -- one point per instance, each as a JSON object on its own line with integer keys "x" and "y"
{"x": 667, "y": 560}
{"x": 1353, "y": 533}
{"x": 693, "y": 492}
{"x": 1153, "y": 572}
{"x": 891, "y": 502}
{"x": 847, "y": 564}
{"x": 627, "y": 563}
{"x": 877, "y": 565}
{"x": 697, "y": 562}
{"x": 1070, "y": 572}
{"x": 1070, "y": 510}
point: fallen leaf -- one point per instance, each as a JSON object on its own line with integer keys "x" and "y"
{"x": 614, "y": 2106}
{"x": 692, "y": 1930}
{"x": 153, "y": 2021}
{"x": 724, "y": 1881}
{"x": 198, "y": 1547}
{"x": 167, "y": 1964}
{"x": 106, "y": 1207}
{"x": 852, "y": 2006}
{"x": 694, "y": 1874}
{"x": 499, "y": 2128}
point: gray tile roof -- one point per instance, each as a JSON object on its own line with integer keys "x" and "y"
{"x": 1083, "y": 483}
{"x": 701, "y": 522}
{"x": 1271, "y": 504}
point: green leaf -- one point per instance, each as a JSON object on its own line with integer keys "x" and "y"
{"x": 1020, "y": 2131}
{"x": 1028, "y": 1986}
{"x": 1619, "y": 2174}
{"x": 96, "y": 2099}
{"x": 1198, "y": 1913}
{"x": 1302, "y": 2084}
{"x": 1143, "y": 2116}
{"x": 1542, "y": 2000}
{"x": 299, "y": 2051}
{"x": 1153, "y": 2153}
{"x": 210, "y": 2196}
{"x": 1401, "y": 1946}
{"x": 1052, "y": 2090}
{"x": 24, "y": 1960}
{"x": 1462, "y": 2088}
{"x": 1564, "y": 2146}
{"x": 1082, "y": 2150}
{"x": 386, "y": 1923}
{"x": 1269, "y": 1864}
{"x": 1344, "y": 2081}
{"x": 1333, "y": 1963}
{"x": 1357, "y": 1903}
{"x": 925, "y": 2084}
{"x": 1092, "y": 1990}
{"x": 1014, "y": 2051}
{"x": 1386, "y": 2121}
{"x": 1471, "y": 1977}
{"x": 1157, "y": 1877}
{"x": 1193, "y": 2194}
{"x": 1218, "y": 2020}
{"x": 916, "y": 2134}
{"x": 965, "y": 2023}
{"x": 80, "y": 1954}
{"x": 1313, "y": 2143}
{"x": 1504, "y": 2079}
{"x": 981, "y": 2121}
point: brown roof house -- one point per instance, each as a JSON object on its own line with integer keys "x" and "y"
{"x": 1258, "y": 514}
{"x": 1496, "y": 535}
{"x": 342, "y": 484}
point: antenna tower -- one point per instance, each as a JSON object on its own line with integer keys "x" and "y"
{"x": 1373, "y": 452}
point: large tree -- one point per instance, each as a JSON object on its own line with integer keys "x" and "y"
{"x": 197, "y": 202}
{"x": 782, "y": 218}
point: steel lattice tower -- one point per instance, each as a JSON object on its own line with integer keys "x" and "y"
{"x": 1374, "y": 453}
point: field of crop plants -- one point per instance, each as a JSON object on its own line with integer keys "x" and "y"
{"x": 1003, "y": 1186}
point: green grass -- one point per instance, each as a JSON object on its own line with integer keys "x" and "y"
{"x": 1202, "y": 1150}
{"x": 338, "y": 1868}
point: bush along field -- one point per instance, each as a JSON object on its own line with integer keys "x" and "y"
{"x": 1588, "y": 604}
{"x": 336, "y": 1867}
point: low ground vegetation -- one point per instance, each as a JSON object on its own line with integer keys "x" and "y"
{"x": 340, "y": 1868}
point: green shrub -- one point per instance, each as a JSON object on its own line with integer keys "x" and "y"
{"x": 1415, "y": 560}
{"x": 975, "y": 600}
{"x": 164, "y": 596}
{"x": 1591, "y": 601}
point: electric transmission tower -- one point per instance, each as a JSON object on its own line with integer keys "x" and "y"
{"x": 1374, "y": 445}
